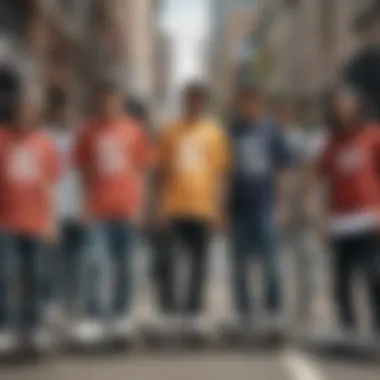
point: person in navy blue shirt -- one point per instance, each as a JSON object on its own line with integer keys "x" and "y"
{"x": 258, "y": 200}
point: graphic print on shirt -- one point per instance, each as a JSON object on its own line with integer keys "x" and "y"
{"x": 349, "y": 160}
{"x": 110, "y": 156}
{"x": 23, "y": 165}
{"x": 254, "y": 156}
{"x": 190, "y": 155}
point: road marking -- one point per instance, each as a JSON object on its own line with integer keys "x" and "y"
{"x": 300, "y": 366}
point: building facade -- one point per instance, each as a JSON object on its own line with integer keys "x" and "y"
{"x": 311, "y": 42}
{"x": 231, "y": 25}
{"x": 71, "y": 43}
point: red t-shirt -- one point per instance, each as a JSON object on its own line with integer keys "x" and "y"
{"x": 29, "y": 167}
{"x": 112, "y": 158}
{"x": 350, "y": 165}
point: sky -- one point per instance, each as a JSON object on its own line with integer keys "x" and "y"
{"x": 187, "y": 23}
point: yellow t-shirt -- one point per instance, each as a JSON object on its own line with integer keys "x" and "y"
{"x": 192, "y": 160}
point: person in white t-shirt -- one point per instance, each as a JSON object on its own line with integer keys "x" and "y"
{"x": 71, "y": 233}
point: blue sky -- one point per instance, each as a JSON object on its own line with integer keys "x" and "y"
{"x": 187, "y": 23}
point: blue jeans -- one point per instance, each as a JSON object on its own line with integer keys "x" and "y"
{"x": 23, "y": 256}
{"x": 6, "y": 269}
{"x": 248, "y": 235}
{"x": 62, "y": 266}
{"x": 109, "y": 240}
{"x": 71, "y": 254}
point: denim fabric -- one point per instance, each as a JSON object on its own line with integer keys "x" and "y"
{"x": 6, "y": 270}
{"x": 28, "y": 259}
{"x": 247, "y": 237}
{"x": 71, "y": 255}
{"x": 113, "y": 241}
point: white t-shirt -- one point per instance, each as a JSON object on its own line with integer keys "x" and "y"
{"x": 69, "y": 191}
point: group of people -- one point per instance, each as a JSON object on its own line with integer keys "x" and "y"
{"x": 71, "y": 196}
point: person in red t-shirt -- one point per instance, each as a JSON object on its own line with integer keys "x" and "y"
{"x": 112, "y": 153}
{"x": 29, "y": 168}
{"x": 349, "y": 166}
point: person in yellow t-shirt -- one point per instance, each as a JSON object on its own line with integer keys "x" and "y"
{"x": 192, "y": 161}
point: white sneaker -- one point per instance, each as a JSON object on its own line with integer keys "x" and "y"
{"x": 198, "y": 324}
{"x": 170, "y": 324}
{"x": 122, "y": 327}
{"x": 277, "y": 322}
{"x": 344, "y": 335}
{"x": 54, "y": 314}
{"x": 8, "y": 342}
{"x": 340, "y": 335}
{"x": 89, "y": 331}
{"x": 41, "y": 339}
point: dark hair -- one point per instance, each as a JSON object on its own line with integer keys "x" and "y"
{"x": 10, "y": 90}
{"x": 107, "y": 86}
{"x": 331, "y": 118}
{"x": 247, "y": 89}
{"x": 280, "y": 101}
{"x": 137, "y": 109}
{"x": 196, "y": 89}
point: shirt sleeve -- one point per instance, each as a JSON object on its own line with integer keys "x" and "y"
{"x": 281, "y": 150}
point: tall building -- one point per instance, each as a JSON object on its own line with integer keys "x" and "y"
{"x": 73, "y": 42}
{"x": 231, "y": 24}
{"x": 308, "y": 43}
{"x": 142, "y": 32}
{"x": 163, "y": 72}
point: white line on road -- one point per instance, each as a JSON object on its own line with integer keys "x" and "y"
{"x": 300, "y": 366}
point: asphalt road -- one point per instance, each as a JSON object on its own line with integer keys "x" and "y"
{"x": 283, "y": 365}
{"x": 287, "y": 363}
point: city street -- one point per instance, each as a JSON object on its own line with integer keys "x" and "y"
{"x": 286, "y": 363}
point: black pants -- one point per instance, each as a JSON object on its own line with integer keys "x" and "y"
{"x": 360, "y": 252}
{"x": 193, "y": 237}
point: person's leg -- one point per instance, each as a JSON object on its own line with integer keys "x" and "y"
{"x": 343, "y": 252}
{"x": 32, "y": 254}
{"x": 301, "y": 251}
{"x": 267, "y": 241}
{"x": 5, "y": 279}
{"x": 369, "y": 252}
{"x": 95, "y": 256}
{"x": 50, "y": 275}
{"x": 122, "y": 247}
{"x": 164, "y": 270}
{"x": 195, "y": 237}
{"x": 72, "y": 243}
{"x": 8, "y": 264}
{"x": 374, "y": 296}
{"x": 239, "y": 256}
